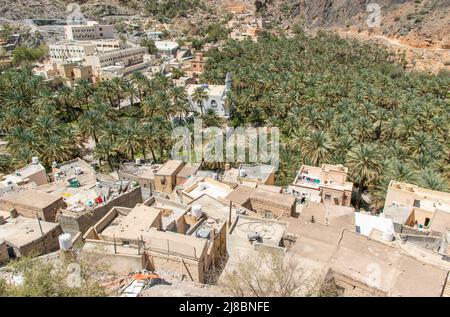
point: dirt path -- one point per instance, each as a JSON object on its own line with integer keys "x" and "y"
{"x": 396, "y": 42}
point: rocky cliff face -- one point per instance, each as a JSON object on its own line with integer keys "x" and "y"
{"x": 420, "y": 23}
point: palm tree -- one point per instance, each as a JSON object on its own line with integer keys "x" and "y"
{"x": 199, "y": 96}
{"x": 431, "y": 179}
{"x": 104, "y": 151}
{"x": 317, "y": 147}
{"x": 149, "y": 139}
{"x": 89, "y": 122}
{"x": 180, "y": 100}
{"x": 365, "y": 165}
{"x": 129, "y": 139}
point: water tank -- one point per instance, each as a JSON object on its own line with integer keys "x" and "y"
{"x": 388, "y": 235}
{"x": 35, "y": 160}
{"x": 65, "y": 241}
{"x": 55, "y": 164}
{"x": 98, "y": 184}
{"x": 242, "y": 173}
{"x": 197, "y": 211}
{"x": 78, "y": 170}
{"x": 214, "y": 176}
{"x": 138, "y": 161}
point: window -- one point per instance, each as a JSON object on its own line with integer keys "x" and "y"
{"x": 327, "y": 197}
{"x": 213, "y": 104}
{"x": 427, "y": 222}
{"x": 268, "y": 215}
{"x": 163, "y": 180}
{"x": 416, "y": 203}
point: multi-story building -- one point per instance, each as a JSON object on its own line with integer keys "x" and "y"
{"x": 417, "y": 207}
{"x": 196, "y": 66}
{"x": 69, "y": 52}
{"x": 73, "y": 73}
{"x": 90, "y": 31}
{"x": 327, "y": 184}
{"x": 123, "y": 57}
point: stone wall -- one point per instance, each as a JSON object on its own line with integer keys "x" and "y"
{"x": 43, "y": 245}
{"x": 29, "y": 211}
{"x": 72, "y": 223}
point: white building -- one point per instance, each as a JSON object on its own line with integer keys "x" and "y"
{"x": 167, "y": 48}
{"x": 123, "y": 57}
{"x": 70, "y": 52}
{"x": 90, "y": 31}
{"x": 216, "y": 97}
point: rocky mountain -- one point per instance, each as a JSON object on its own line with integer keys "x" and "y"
{"x": 420, "y": 23}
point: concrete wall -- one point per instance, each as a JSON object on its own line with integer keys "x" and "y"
{"x": 337, "y": 196}
{"x": 143, "y": 182}
{"x": 261, "y": 206}
{"x": 165, "y": 184}
{"x": 190, "y": 269}
{"x": 72, "y": 224}
{"x": 429, "y": 243}
{"x": 40, "y": 177}
{"x": 48, "y": 243}
{"x": 354, "y": 288}
{"x": 47, "y": 214}
{"x": 120, "y": 263}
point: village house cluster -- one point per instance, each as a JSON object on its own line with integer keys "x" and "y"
{"x": 180, "y": 219}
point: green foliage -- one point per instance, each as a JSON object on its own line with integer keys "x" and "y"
{"x": 343, "y": 102}
{"x": 5, "y": 32}
{"x": 55, "y": 126}
{"x": 150, "y": 45}
{"x": 43, "y": 279}
{"x": 167, "y": 9}
{"x": 216, "y": 32}
{"x": 23, "y": 54}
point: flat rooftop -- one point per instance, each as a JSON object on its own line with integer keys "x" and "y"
{"x": 131, "y": 226}
{"x": 386, "y": 268}
{"x": 31, "y": 197}
{"x": 21, "y": 231}
{"x": 211, "y": 90}
{"x": 209, "y": 187}
{"x": 170, "y": 210}
{"x": 217, "y": 209}
{"x": 258, "y": 172}
{"x": 428, "y": 199}
{"x": 270, "y": 231}
{"x": 330, "y": 176}
{"x": 146, "y": 171}
{"x": 170, "y": 168}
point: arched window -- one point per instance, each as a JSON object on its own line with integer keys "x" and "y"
{"x": 213, "y": 104}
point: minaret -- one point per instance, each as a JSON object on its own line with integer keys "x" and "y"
{"x": 228, "y": 81}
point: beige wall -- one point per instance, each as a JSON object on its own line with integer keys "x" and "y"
{"x": 261, "y": 206}
{"x": 47, "y": 214}
{"x": 46, "y": 244}
{"x": 418, "y": 215}
{"x": 143, "y": 182}
{"x": 336, "y": 197}
{"x": 40, "y": 177}
{"x": 74, "y": 223}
